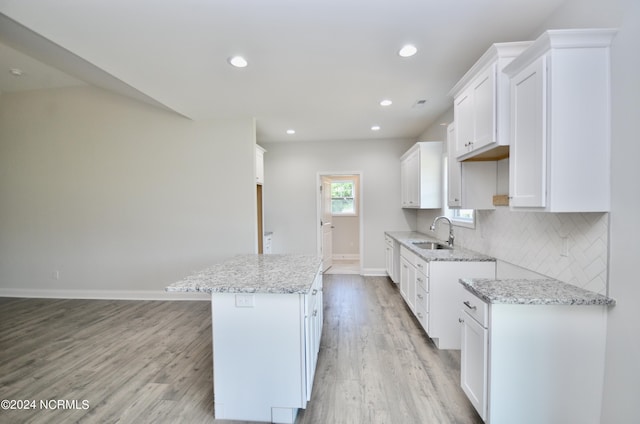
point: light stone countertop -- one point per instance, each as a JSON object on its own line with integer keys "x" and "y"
{"x": 406, "y": 239}
{"x": 281, "y": 273}
{"x": 533, "y": 292}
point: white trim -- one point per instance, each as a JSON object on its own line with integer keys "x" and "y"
{"x": 346, "y": 256}
{"x": 374, "y": 272}
{"x": 360, "y": 207}
{"x": 104, "y": 294}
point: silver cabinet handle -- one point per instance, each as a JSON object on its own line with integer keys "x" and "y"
{"x": 460, "y": 320}
{"x": 468, "y": 305}
{"x": 315, "y": 312}
{"x": 420, "y": 296}
{"x": 314, "y": 292}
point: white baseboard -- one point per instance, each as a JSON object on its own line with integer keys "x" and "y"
{"x": 104, "y": 294}
{"x": 346, "y": 257}
{"x": 374, "y": 272}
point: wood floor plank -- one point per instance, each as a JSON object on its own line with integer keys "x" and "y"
{"x": 151, "y": 361}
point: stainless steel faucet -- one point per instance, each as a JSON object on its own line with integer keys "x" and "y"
{"x": 433, "y": 228}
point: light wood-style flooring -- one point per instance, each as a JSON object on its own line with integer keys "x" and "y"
{"x": 151, "y": 361}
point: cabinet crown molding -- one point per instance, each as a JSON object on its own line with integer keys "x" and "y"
{"x": 495, "y": 52}
{"x": 561, "y": 39}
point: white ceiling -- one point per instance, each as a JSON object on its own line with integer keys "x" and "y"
{"x": 318, "y": 66}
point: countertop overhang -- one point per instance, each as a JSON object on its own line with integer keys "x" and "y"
{"x": 533, "y": 292}
{"x": 253, "y": 273}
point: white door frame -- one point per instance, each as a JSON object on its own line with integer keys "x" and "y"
{"x": 360, "y": 209}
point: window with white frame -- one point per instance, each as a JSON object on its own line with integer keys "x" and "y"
{"x": 343, "y": 198}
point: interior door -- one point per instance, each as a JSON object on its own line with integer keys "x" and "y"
{"x": 325, "y": 222}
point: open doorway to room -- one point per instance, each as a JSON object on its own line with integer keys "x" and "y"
{"x": 340, "y": 222}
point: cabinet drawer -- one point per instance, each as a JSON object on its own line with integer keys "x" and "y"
{"x": 422, "y": 266}
{"x": 422, "y": 307}
{"x": 388, "y": 240}
{"x": 408, "y": 255}
{"x": 422, "y": 281}
{"x": 476, "y": 308}
{"x": 422, "y": 300}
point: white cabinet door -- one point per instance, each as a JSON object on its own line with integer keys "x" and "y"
{"x": 388, "y": 259}
{"x": 406, "y": 270}
{"x": 413, "y": 179}
{"x": 259, "y": 165}
{"x": 527, "y": 159}
{"x": 473, "y": 362}
{"x": 454, "y": 170}
{"x": 484, "y": 107}
{"x": 463, "y": 111}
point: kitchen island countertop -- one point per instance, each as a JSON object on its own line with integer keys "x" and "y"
{"x": 533, "y": 292}
{"x": 253, "y": 273}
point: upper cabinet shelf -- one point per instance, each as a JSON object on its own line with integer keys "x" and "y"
{"x": 481, "y": 105}
{"x": 560, "y": 123}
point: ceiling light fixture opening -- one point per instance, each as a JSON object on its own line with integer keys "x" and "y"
{"x": 16, "y": 72}
{"x": 408, "y": 50}
{"x": 386, "y": 102}
{"x": 291, "y": 131}
{"x": 238, "y": 61}
{"x": 375, "y": 128}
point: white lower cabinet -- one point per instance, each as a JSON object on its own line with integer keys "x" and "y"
{"x": 473, "y": 358}
{"x": 408, "y": 277}
{"x": 532, "y": 364}
{"x": 390, "y": 259}
{"x": 433, "y": 294}
{"x": 265, "y": 350}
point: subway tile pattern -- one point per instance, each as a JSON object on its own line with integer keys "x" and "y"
{"x": 570, "y": 247}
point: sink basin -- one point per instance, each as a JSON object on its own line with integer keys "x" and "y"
{"x": 430, "y": 245}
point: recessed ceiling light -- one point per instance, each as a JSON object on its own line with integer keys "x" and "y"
{"x": 291, "y": 132}
{"x": 238, "y": 61}
{"x": 375, "y": 128}
{"x": 408, "y": 50}
{"x": 16, "y": 72}
{"x": 386, "y": 102}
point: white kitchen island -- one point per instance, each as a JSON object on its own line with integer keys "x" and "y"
{"x": 267, "y": 322}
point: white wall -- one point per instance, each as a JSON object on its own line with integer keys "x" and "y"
{"x": 290, "y": 202}
{"x": 119, "y": 197}
{"x": 622, "y": 368}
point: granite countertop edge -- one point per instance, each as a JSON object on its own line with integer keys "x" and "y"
{"x": 457, "y": 254}
{"x": 544, "y": 291}
{"x": 253, "y": 273}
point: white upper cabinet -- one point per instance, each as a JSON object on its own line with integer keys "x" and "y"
{"x": 481, "y": 105}
{"x": 560, "y": 123}
{"x": 421, "y": 176}
{"x": 259, "y": 165}
{"x": 470, "y": 185}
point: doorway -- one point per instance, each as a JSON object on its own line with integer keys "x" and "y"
{"x": 340, "y": 222}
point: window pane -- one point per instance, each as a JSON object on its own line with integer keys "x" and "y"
{"x": 342, "y": 189}
{"x": 342, "y": 206}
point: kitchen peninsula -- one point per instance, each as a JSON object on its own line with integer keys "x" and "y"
{"x": 267, "y": 322}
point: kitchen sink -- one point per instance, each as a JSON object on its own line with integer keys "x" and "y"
{"x": 430, "y": 245}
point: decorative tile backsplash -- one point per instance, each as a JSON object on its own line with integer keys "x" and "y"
{"x": 571, "y": 247}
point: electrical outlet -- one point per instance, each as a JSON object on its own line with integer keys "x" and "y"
{"x": 244, "y": 301}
